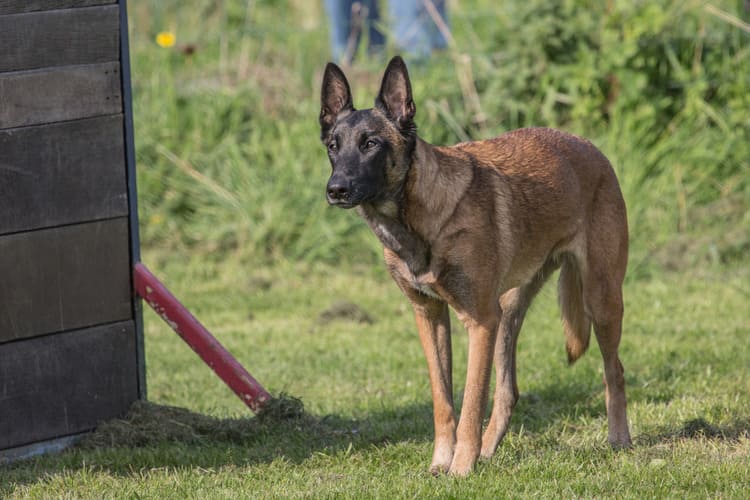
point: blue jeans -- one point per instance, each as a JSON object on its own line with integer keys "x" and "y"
{"x": 413, "y": 29}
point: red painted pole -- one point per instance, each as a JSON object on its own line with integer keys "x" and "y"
{"x": 199, "y": 339}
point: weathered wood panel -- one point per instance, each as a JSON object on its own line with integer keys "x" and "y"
{"x": 17, "y": 6}
{"x": 59, "y": 38}
{"x": 64, "y": 278}
{"x": 65, "y": 93}
{"x": 62, "y": 174}
{"x": 67, "y": 383}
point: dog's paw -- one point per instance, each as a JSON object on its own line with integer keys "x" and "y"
{"x": 619, "y": 439}
{"x": 621, "y": 443}
{"x": 460, "y": 470}
{"x": 463, "y": 462}
{"x": 438, "y": 469}
{"x": 441, "y": 460}
{"x": 489, "y": 445}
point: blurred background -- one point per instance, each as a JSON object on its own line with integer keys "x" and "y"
{"x": 226, "y": 99}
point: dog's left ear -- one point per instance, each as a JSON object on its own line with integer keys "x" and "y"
{"x": 395, "y": 98}
{"x": 335, "y": 98}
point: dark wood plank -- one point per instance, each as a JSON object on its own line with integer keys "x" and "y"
{"x": 59, "y": 38}
{"x": 63, "y": 278}
{"x": 66, "y": 383}
{"x": 62, "y": 174}
{"x": 59, "y": 94}
{"x": 16, "y": 6}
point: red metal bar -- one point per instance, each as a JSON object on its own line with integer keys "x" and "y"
{"x": 199, "y": 339}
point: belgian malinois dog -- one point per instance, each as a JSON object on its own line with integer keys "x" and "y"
{"x": 479, "y": 227}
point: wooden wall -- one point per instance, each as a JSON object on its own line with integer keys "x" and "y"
{"x": 69, "y": 325}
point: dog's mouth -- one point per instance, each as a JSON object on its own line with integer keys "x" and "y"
{"x": 349, "y": 200}
{"x": 342, "y": 203}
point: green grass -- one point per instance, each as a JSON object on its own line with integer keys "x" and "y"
{"x": 231, "y": 177}
{"x": 367, "y": 429}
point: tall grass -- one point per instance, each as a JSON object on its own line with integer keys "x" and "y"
{"x": 230, "y": 166}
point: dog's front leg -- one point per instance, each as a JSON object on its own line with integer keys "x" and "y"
{"x": 433, "y": 323}
{"x": 482, "y": 337}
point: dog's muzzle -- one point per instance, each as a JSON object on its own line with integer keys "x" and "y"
{"x": 339, "y": 193}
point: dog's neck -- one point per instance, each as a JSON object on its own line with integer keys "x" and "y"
{"x": 406, "y": 221}
{"x": 386, "y": 221}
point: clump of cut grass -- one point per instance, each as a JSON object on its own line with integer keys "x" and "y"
{"x": 151, "y": 424}
{"x": 283, "y": 407}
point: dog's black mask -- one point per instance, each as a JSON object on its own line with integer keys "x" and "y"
{"x": 369, "y": 150}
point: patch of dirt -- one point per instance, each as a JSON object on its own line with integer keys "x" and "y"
{"x": 698, "y": 427}
{"x": 348, "y": 311}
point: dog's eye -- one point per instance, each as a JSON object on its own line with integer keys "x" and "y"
{"x": 370, "y": 144}
{"x": 333, "y": 147}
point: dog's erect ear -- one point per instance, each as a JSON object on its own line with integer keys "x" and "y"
{"x": 335, "y": 98}
{"x": 395, "y": 95}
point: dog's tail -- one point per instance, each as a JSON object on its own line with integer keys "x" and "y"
{"x": 576, "y": 324}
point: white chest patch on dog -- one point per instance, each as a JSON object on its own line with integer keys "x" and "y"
{"x": 425, "y": 289}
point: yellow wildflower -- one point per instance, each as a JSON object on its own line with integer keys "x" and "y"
{"x": 165, "y": 39}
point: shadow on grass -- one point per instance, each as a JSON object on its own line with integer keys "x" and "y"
{"x": 568, "y": 399}
{"x": 698, "y": 428}
{"x": 282, "y": 429}
{"x": 153, "y": 436}
{"x": 158, "y": 436}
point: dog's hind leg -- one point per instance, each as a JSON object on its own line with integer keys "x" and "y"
{"x": 602, "y": 276}
{"x": 514, "y": 304}
{"x": 605, "y": 302}
{"x": 608, "y": 336}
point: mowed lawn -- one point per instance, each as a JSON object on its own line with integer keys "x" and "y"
{"x": 366, "y": 429}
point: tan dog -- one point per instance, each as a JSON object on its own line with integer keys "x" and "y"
{"x": 479, "y": 227}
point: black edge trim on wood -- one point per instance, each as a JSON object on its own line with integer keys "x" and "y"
{"x": 135, "y": 242}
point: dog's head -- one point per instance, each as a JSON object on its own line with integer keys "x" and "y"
{"x": 371, "y": 149}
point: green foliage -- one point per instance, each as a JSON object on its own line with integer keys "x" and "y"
{"x": 227, "y": 140}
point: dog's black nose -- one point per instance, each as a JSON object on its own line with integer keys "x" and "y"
{"x": 338, "y": 191}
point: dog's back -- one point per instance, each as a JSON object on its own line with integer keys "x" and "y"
{"x": 543, "y": 166}
{"x": 540, "y": 188}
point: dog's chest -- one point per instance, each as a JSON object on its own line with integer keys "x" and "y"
{"x": 410, "y": 260}
{"x": 424, "y": 288}
{"x": 423, "y": 284}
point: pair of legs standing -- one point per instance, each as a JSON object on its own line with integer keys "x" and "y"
{"x": 411, "y": 24}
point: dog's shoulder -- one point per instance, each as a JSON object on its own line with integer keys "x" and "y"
{"x": 523, "y": 151}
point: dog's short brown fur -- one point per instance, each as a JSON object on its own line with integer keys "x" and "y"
{"x": 479, "y": 227}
